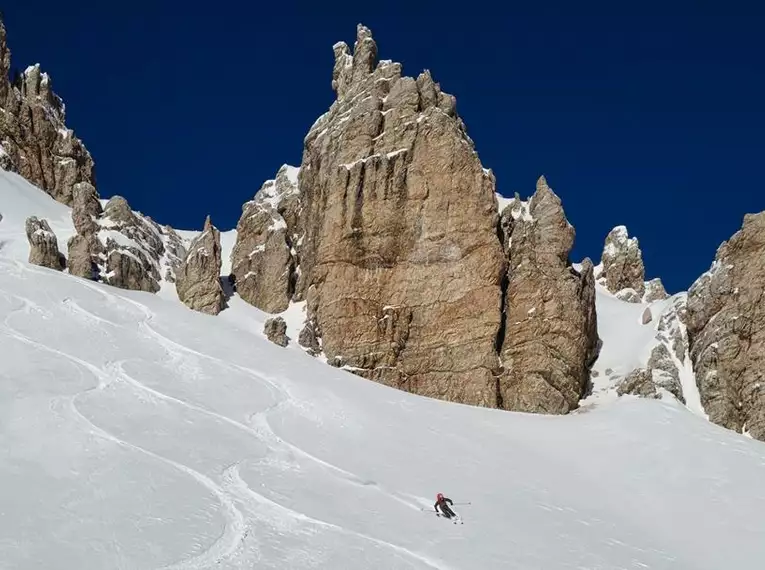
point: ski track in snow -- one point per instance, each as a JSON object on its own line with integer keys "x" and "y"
{"x": 234, "y": 532}
{"x": 232, "y": 477}
{"x": 233, "y": 488}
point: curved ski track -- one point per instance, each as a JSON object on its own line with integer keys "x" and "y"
{"x": 233, "y": 488}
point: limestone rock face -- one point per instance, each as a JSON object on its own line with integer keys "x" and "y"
{"x": 43, "y": 245}
{"x": 672, "y": 330}
{"x": 309, "y": 339}
{"x": 726, "y": 328}
{"x": 622, "y": 266}
{"x": 276, "y": 331}
{"x": 399, "y": 234}
{"x": 654, "y": 291}
{"x": 198, "y": 278}
{"x": 34, "y": 139}
{"x": 86, "y": 208}
{"x": 85, "y": 248}
{"x": 82, "y": 262}
{"x": 551, "y": 339}
{"x": 647, "y": 316}
{"x": 132, "y": 246}
{"x": 265, "y": 255}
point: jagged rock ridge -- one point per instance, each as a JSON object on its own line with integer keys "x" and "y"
{"x": 121, "y": 247}
{"x": 399, "y": 251}
{"x": 34, "y": 138}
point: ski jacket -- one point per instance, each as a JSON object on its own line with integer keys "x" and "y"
{"x": 442, "y": 503}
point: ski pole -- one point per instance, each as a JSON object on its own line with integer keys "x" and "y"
{"x": 468, "y": 503}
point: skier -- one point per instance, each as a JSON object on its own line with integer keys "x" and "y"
{"x": 441, "y": 502}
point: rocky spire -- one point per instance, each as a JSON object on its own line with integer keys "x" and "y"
{"x": 544, "y": 368}
{"x": 265, "y": 255}
{"x": 394, "y": 200}
{"x": 351, "y": 69}
{"x": 34, "y": 139}
{"x": 726, "y": 329}
{"x": 623, "y": 272}
{"x": 198, "y": 278}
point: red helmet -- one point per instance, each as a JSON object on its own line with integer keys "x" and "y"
{"x": 440, "y": 497}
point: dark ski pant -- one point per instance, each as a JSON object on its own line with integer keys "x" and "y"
{"x": 447, "y": 512}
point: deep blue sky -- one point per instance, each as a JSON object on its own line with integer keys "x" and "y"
{"x": 649, "y": 115}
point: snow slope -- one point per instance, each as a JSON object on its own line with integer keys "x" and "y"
{"x": 19, "y": 200}
{"x": 137, "y": 434}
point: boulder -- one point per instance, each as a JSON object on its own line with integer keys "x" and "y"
{"x": 43, "y": 245}
{"x": 276, "y": 331}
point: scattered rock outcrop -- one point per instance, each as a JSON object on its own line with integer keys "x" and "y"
{"x": 726, "y": 328}
{"x": 135, "y": 256}
{"x": 198, "y": 278}
{"x": 661, "y": 372}
{"x": 43, "y": 245}
{"x": 668, "y": 357}
{"x": 118, "y": 246}
{"x": 399, "y": 238}
{"x": 34, "y": 139}
{"x": 550, "y": 339}
{"x": 276, "y": 331}
{"x": 265, "y": 255}
{"x": 672, "y": 329}
{"x": 639, "y": 382}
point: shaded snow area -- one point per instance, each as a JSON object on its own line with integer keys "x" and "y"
{"x": 137, "y": 434}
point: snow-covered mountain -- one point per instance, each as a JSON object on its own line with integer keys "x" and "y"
{"x": 138, "y": 434}
{"x": 141, "y": 434}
